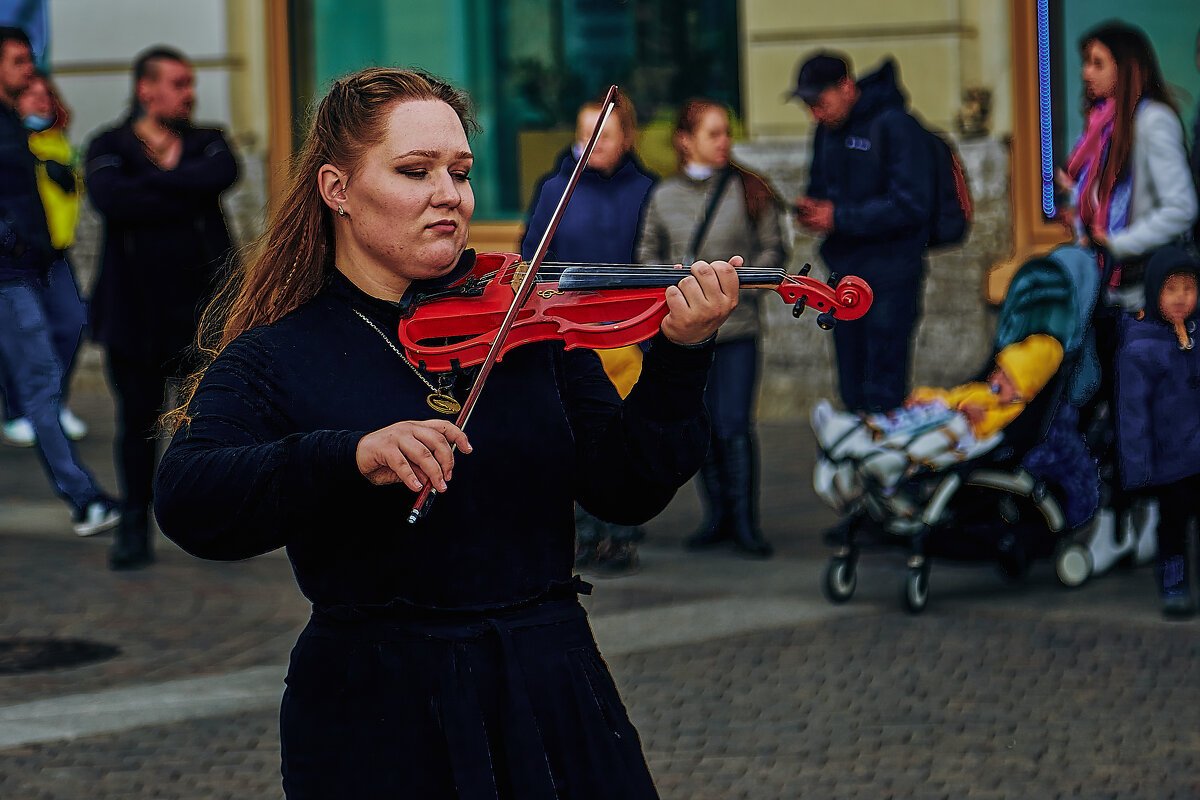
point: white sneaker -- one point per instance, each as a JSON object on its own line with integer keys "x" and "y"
{"x": 72, "y": 426}
{"x": 1143, "y": 520}
{"x": 98, "y": 516}
{"x": 1104, "y": 546}
{"x": 19, "y": 432}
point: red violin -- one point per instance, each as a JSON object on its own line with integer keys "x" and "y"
{"x": 504, "y": 303}
{"x": 598, "y": 306}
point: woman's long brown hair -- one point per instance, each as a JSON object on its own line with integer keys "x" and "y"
{"x": 289, "y": 263}
{"x": 1138, "y": 76}
{"x": 759, "y": 195}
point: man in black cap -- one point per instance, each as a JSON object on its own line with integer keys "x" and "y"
{"x": 870, "y": 194}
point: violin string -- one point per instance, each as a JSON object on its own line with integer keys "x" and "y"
{"x": 552, "y": 271}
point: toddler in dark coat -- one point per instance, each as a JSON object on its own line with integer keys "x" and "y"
{"x": 1158, "y": 413}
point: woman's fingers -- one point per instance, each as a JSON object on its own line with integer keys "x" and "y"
{"x": 703, "y": 300}
{"x": 412, "y": 452}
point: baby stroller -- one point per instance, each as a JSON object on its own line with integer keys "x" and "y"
{"x": 1019, "y": 495}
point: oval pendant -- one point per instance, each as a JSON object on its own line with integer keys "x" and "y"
{"x": 443, "y": 403}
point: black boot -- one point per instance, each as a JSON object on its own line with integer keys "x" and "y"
{"x": 741, "y": 471}
{"x": 716, "y": 528}
{"x": 131, "y": 546}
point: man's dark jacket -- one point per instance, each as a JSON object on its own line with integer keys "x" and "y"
{"x": 24, "y": 239}
{"x": 165, "y": 239}
{"x": 877, "y": 169}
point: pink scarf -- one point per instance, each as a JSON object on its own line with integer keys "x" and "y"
{"x": 1086, "y": 162}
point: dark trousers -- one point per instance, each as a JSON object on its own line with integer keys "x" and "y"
{"x": 729, "y": 475}
{"x": 141, "y": 390}
{"x": 732, "y": 383}
{"x": 872, "y": 352}
{"x": 1178, "y": 504}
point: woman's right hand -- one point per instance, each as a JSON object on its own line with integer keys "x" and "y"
{"x": 412, "y": 452}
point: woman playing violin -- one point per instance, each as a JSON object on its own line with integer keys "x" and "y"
{"x": 450, "y": 658}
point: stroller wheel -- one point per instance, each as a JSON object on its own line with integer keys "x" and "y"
{"x": 916, "y": 589}
{"x": 841, "y": 579}
{"x": 1073, "y": 564}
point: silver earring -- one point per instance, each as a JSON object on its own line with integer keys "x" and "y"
{"x": 341, "y": 211}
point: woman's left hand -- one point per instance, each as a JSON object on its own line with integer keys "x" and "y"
{"x": 698, "y": 305}
{"x": 1099, "y": 237}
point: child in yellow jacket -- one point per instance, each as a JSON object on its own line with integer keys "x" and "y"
{"x": 938, "y": 427}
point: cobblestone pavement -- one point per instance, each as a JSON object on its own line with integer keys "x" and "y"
{"x": 743, "y": 681}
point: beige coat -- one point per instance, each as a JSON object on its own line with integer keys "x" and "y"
{"x": 672, "y": 216}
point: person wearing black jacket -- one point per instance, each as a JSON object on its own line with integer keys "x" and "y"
{"x": 32, "y": 364}
{"x": 157, "y": 181}
{"x": 450, "y": 658}
{"x": 871, "y": 194}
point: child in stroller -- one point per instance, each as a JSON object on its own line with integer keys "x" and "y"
{"x": 938, "y": 427}
{"x": 1014, "y": 483}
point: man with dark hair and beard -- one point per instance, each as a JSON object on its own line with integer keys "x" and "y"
{"x": 156, "y": 179}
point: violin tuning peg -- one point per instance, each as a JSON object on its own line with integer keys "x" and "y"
{"x": 833, "y": 279}
{"x": 804, "y": 270}
{"x": 801, "y": 304}
{"x": 826, "y": 320}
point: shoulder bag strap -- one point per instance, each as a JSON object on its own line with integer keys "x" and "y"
{"x": 702, "y": 228}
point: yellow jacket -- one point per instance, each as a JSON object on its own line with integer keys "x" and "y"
{"x": 62, "y": 208}
{"x": 995, "y": 415}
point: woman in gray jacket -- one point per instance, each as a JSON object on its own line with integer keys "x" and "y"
{"x": 715, "y": 207}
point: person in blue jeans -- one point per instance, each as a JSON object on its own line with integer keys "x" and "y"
{"x": 26, "y": 346}
{"x": 46, "y": 118}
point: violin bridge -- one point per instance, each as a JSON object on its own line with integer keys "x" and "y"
{"x": 519, "y": 272}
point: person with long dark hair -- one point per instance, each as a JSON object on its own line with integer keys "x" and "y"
{"x": 1131, "y": 191}
{"x": 714, "y": 206}
{"x": 450, "y": 658}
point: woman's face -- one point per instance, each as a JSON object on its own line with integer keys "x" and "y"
{"x": 1099, "y": 72}
{"x": 610, "y": 145}
{"x": 35, "y": 100}
{"x": 409, "y": 203}
{"x": 709, "y": 144}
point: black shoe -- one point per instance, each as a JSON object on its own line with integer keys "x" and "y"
{"x": 751, "y": 543}
{"x": 741, "y": 472}
{"x": 1011, "y": 557}
{"x": 1178, "y": 607}
{"x": 709, "y": 535}
{"x": 131, "y": 545}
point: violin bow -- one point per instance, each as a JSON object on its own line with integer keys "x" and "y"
{"x": 520, "y": 296}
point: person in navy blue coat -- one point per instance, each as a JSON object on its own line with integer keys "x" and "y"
{"x": 600, "y": 225}
{"x": 1158, "y": 413}
{"x": 450, "y": 658}
{"x": 870, "y": 194}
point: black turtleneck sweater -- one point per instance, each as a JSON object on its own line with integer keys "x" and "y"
{"x": 268, "y": 460}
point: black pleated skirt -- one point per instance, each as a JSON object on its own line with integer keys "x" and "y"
{"x": 481, "y": 706}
